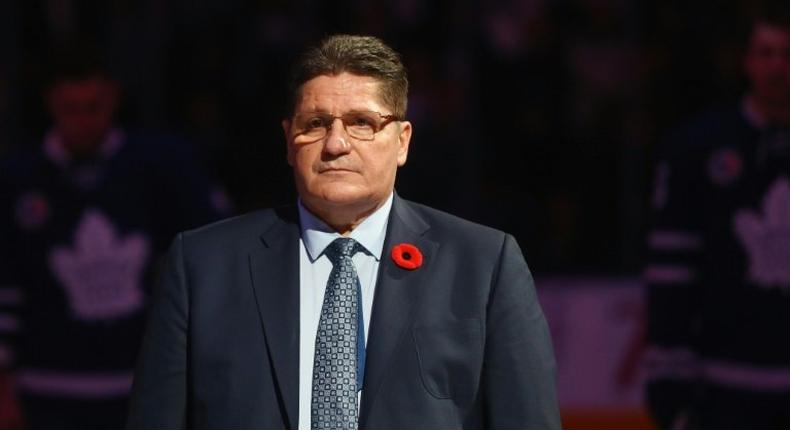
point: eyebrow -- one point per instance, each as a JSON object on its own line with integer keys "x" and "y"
{"x": 348, "y": 111}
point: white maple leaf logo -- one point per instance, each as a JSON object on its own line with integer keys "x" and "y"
{"x": 102, "y": 272}
{"x": 767, "y": 238}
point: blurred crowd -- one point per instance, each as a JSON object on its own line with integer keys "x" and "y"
{"x": 539, "y": 115}
{"x": 123, "y": 122}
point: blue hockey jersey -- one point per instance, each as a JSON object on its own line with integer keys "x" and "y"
{"x": 719, "y": 255}
{"x": 79, "y": 247}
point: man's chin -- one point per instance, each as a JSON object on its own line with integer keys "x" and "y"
{"x": 339, "y": 196}
{"x": 339, "y": 200}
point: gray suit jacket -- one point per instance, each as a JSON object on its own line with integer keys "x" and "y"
{"x": 459, "y": 343}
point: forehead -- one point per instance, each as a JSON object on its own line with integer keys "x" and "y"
{"x": 767, "y": 34}
{"x": 340, "y": 93}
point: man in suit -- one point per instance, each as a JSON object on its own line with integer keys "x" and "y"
{"x": 355, "y": 308}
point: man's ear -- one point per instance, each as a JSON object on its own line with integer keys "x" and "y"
{"x": 286, "y": 123}
{"x": 403, "y": 142}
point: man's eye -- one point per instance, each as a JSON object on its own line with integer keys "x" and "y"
{"x": 315, "y": 122}
{"x": 361, "y": 121}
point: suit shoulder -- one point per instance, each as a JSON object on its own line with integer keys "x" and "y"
{"x": 458, "y": 229}
{"x": 236, "y": 231}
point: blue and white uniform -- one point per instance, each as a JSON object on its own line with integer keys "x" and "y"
{"x": 79, "y": 244}
{"x": 719, "y": 269}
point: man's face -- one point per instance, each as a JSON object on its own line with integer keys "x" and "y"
{"x": 768, "y": 65}
{"x": 339, "y": 172}
{"x": 83, "y": 111}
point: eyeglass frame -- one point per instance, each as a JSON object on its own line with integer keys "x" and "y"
{"x": 387, "y": 119}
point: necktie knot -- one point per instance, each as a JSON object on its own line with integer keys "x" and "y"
{"x": 342, "y": 247}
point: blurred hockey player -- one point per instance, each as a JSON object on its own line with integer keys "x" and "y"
{"x": 83, "y": 220}
{"x": 719, "y": 255}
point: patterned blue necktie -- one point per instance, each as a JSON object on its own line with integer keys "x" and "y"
{"x": 334, "y": 401}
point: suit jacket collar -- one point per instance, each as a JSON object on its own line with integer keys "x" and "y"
{"x": 275, "y": 277}
{"x": 396, "y": 298}
{"x": 274, "y": 268}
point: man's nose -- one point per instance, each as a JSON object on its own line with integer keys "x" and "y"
{"x": 337, "y": 139}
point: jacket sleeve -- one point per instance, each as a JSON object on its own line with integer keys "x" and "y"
{"x": 674, "y": 248}
{"x": 159, "y": 393}
{"x": 519, "y": 372}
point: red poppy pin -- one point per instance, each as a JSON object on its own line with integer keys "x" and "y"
{"x": 407, "y": 256}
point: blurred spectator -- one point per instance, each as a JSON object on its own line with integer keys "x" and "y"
{"x": 551, "y": 95}
{"x": 83, "y": 220}
{"x": 719, "y": 246}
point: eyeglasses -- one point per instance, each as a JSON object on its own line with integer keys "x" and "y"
{"x": 361, "y": 125}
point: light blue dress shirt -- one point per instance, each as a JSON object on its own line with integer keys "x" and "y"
{"x": 314, "y": 269}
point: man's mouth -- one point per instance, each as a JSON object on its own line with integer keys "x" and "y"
{"x": 334, "y": 169}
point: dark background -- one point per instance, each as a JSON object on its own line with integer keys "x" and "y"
{"x": 538, "y": 117}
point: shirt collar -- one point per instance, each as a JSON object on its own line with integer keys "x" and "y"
{"x": 317, "y": 235}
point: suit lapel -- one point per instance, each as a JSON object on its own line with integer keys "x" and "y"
{"x": 396, "y": 297}
{"x": 275, "y": 277}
